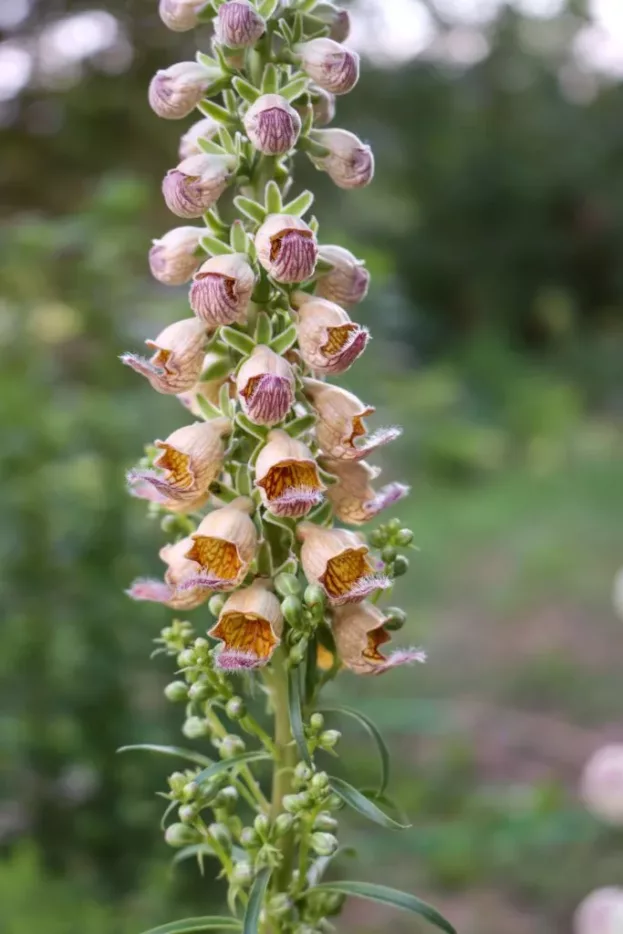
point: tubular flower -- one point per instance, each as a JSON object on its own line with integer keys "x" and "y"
{"x": 191, "y": 458}
{"x": 202, "y": 129}
{"x": 272, "y": 125}
{"x": 287, "y": 476}
{"x": 196, "y": 184}
{"x": 347, "y": 283}
{"x": 349, "y": 162}
{"x": 359, "y": 632}
{"x": 338, "y": 561}
{"x": 329, "y": 341}
{"x": 177, "y": 360}
{"x": 222, "y": 289}
{"x": 173, "y": 590}
{"x": 180, "y": 15}
{"x": 340, "y": 422}
{"x": 173, "y": 259}
{"x": 353, "y": 498}
{"x": 238, "y": 25}
{"x": 223, "y": 546}
{"x": 265, "y": 384}
{"x": 331, "y": 66}
{"x": 286, "y": 248}
{"x": 249, "y": 627}
{"x": 175, "y": 92}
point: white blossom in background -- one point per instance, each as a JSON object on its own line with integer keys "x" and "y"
{"x": 602, "y": 784}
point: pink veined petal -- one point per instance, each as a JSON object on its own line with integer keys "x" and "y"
{"x": 376, "y": 440}
{"x": 140, "y": 486}
{"x": 296, "y": 259}
{"x": 352, "y": 349}
{"x": 270, "y": 401}
{"x": 402, "y": 657}
{"x": 235, "y": 660}
{"x": 206, "y": 582}
{"x": 386, "y": 496}
{"x": 362, "y": 589}
{"x": 146, "y": 588}
{"x": 164, "y": 488}
{"x": 142, "y": 365}
{"x": 297, "y": 501}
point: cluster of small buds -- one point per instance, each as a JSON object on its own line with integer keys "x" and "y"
{"x": 257, "y": 488}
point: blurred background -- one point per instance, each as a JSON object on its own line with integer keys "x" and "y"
{"x": 494, "y": 232}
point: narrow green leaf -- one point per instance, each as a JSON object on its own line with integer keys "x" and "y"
{"x": 363, "y": 805}
{"x": 296, "y": 714}
{"x": 217, "y": 370}
{"x": 256, "y": 431}
{"x": 267, "y": 8}
{"x": 238, "y": 238}
{"x": 168, "y": 810}
{"x": 217, "y": 226}
{"x": 246, "y": 91}
{"x": 300, "y": 205}
{"x": 270, "y": 79}
{"x": 206, "y": 61}
{"x": 285, "y": 31}
{"x": 298, "y": 31}
{"x": 217, "y": 767}
{"x": 203, "y": 849}
{"x": 212, "y": 148}
{"x": 263, "y": 329}
{"x": 374, "y": 732}
{"x": 218, "y": 113}
{"x": 226, "y": 140}
{"x": 252, "y": 209}
{"x": 225, "y": 403}
{"x": 272, "y": 198}
{"x": 176, "y": 751}
{"x": 300, "y": 425}
{"x": 295, "y": 88}
{"x": 285, "y": 340}
{"x": 208, "y": 410}
{"x": 393, "y": 897}
{"x": 313, "y": 149}
{"x": 237, "y": 340}
{"x": 256, "y": 898}
{"x": 214, "y": 246}
{"x": 189, "y": 925}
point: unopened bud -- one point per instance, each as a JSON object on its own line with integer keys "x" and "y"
{"x": 272, "y": 125}
{"x": 187, "y": 813}
{"x": 242, "y": 874}
{"x": 389, "y": 553}
{"x": 325, "y": 822}
{"x": 286, "y": 247}
{"x": 238, "y": 25}
{"x": 316, "y": 722}
{"x": 221, "y": 289}
{"x": 400, "y": 566}
{"x": 186, "y": 658}
{"x": 248, "y": 837}
{"x": 297, "y": 652}
{"x": 199, "y": 691}
{"x": 195, "y": 727}
{"x": 174, "y": 92}
{"x": 349, "y": 163}
{"x": 293, "y": 803}
{"x": 320, "y": 781}
{"x": 292, "y": 608}
{"x": 180, "y": 15}
{"x": 181, "y": 835}
{"x": 176, "y": 692}
{"x": 279, "y": 905}
{"x": 227, "y": 798}
{"x": 189, "y": 790}
{"x": 302, "y": 772}
{"x": 324, "y": 844}
{"x": 231, "y": 745}
{"x": 197, "y": 183}
{"x": 173, "y": 259}
{"x": 395, "y": 619}
{"x": 207, "y": 128}
{"x": 283, "y": 824}
{"x": 329, "y": 739}
{"x": 334, "y": 803}
{"x": 404, "y": 537}
{"x": 337, "y": 20}
{"x": 262, "y": 826}
{"x": 347, "y": 282}
{"x": 287, "y": 585}
{"x": 331, "y": 66}
{"x": 236, "y": 708}
{"x": 314, "y": 597}
{"x": 221, "y": 835}
{"x": 323, "y": 106}
{"x": 216, "y": 604}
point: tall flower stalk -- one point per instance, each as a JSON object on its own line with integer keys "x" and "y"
{"x": 269, "y": 465}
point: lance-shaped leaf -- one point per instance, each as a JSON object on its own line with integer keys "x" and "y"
{"x": 238, "y": 239}
{"x": 251, "y": 924}
{"x": 284, "y": 341}
{"x": 296, "y": 714}
{"x": 190, "y": 925}
{"x": 246, "y": 91}
{"x": 358, "y": 802}
{"x": 295, "y": 88}
{"x": 263, "y": 329}
{"x": 237, "y": 340}
{"x": 225, "y": 764}
{"x": 374, "y": 732}
{"x": 393, "y": 897}
{"x": 270, "y": 79}
{"x": 300, "y": 205}
{"x": 272, "y": 198}
{"x": 214, "y": 246}
{"x": 252, "y": 209}
{"x": 176, "y": 751}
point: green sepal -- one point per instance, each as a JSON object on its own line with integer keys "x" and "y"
{"x": 218, "y": 113}
{"x": 210, "y": 147}
{"x": 208, "y": 409}
{"x": 238, "y": 239}
{"x": 217, "y": 226}
{"x": 284, "y": 30}
{"x": 237, "y": 340}
{"x": 358, "y": 802}
{"x": 225, "y": 402}
{"x": 256, "y": 431}
{"x": 251, "y": 924}
{"x": 300, "y": 205}
{"x": 246, "y": 90}
{"x": 217, "y": 370}
{"x": 393, "y": 897}
{"x": 252, "y": 209}
{"x": 286, "y": 525}
{"x": 264, "y": 560}
{"x": 263, "y": 329}
{"x": 300, "y": 425}
{"x": 284, "y": 341}
{"x": 313, "y": 149}
{"x": 267, "y": 8}
{"x": 295, "y": 88}
{"x": 270, "y": 79}
{"x": 295, "y": 707}
{"x": 176, "y": 751}
{"x": 189, "y": 925}
{"x": 314, "y": 27}
{"x": 167, "y": 811}
{"x": 298, "y": 30}
{"x": 272, "y": 198}
{"x": 206, "y": 60}
{"x": 243, "y": 480}
{"x": 214, "y": 246}
{"x": 227, "y": 140}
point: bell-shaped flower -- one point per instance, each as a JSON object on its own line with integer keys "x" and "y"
{"x": 349, "y": 162}
{"x": 338, "y": 561}
{"x": 249, "y": 626}
{"x": 197, "y": 183}
{"x": 329, "y": 342}
{"x": 175, "y": 92}
{"x": 238, "y": 25}
{"x": 287, "y": 476}
{"x": 207, "y": 128}
{"x": 286, "y": 248}
{"x": 329, "y": 64}
{"x": 173, "y": 591}
{"x": 340, "y": 422}
{"x": 265, "y": 384}
{"x": 174, "y": 258}
{"x": 190, "y": 459}
{"x": 223, "y": 546}
{"x": 354, "y": 499}
{"x": 359, "y": 632}
{"x": 177, "y": 360}
{"x": 347, "y": 282}
{"x": 180, "y": 15}
{"x": 222, "y": 288}
{"x": 272, "y": 125}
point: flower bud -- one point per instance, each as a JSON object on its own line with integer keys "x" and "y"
{"x": 175, "y": 590}
{"x": 287, "y": 585}
{"x": 297, "y": 653}
{"x": 176, "y": 363}
{"x": 349, "y": 163}
{"x": 602, "y": 784}
{"x": 227, "y": 798}
{"x": 207, "y": 128}
{"x": 216, "y": 604}
{"x": 222, "y": 289}
{"x": 266, "y": 385}
{"x": 238, "y": 25}
{"x": 248, "y": 837}
{"x": 291, "y": 608}
{"x": 272, "y": 125}
{"x": 230, "y": 746}
{"x": 173, "y": 259}
{"x": 176, "y": 692}
{"x": 404, "y": 537}
{"x": 190, "y": 790}
{"x": 249, "y": 627}
{"x": 395, "y": 618}
{"x": 320, "y": 781}
{"x": 601, "y": 912}
{"x": 340, "y": 422}
{"x": 329, "y": 341}
{"x": 197, "y": 183}
{"x": 174, "y": 92}
{"x": 283, "y": 825}
{"x": 316, "y": 722}
{"x": 388, "y": 554}
{"x": 337, "y": 560}
{"x": 400, "y": 566}
{"x": 223, "y": 546}
{"x": 279, "y": 905}
{"x": 325, "y": 822}
{"x": 287, "y": 476}
{"x": 286, "y": 248}
{"x": 359, "y": 632}
{"x": 331, "y": 66}
{"x": 302, "y": 772}
{"x": 314, "y": 597}
{"x": 236, "y": 708}
{"x": 180, "y": 15}
{"x": 337, "y": 20}
{"x": 262, "y": 826}
{"x": 293, "y": 803}
{"x": 242, "y": 874}
{"x": 188, "y": 813}
{"x": 181, "y": 835}
{"x": 195, "y": 727}
{"x": 186, "y": 658}
{"x": 324, "y": 844}
{"x": 329, "y": 739}
{"x": 347, "y": 283}
{"x": 199, "y": 691}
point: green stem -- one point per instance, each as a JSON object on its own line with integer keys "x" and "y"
{"x": 258, "y": 798}
{"x": 284, "y": 762}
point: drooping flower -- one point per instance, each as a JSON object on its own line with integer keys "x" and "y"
{"x": 223, "y": 546}
{"x": 601, "y": 912}
{"x": 349, "y": 162}
{"x": 175, "y": 92}
{"x": 340, "y": 26}
{"x": 359, "y": 633}
{"x": 197, "y": 183}
{"x": 222, "y": 288}
{"x": 180, "y": 15}
{"x": 338, "y": 561}
{"x": 329, "y": 342}
{"x": 287, "y": 476}
{"x": 207, "y": 128}
{"x": 173, "y": 259}
{"x": 265, "y": 384}
{"x": 272, "y": 125}
{"x": 353, "y": 497}
{"x": 141, "y": 488}
{"x": 191, "y": 458}
{"x": 331, "y": 66}
{"x": 238, "y": 25}
{"x": 347, "y": 282}
{"x": 177, "y": 360}
{"x": 286, "y": 248}
{"x": 249, "y": 627}
{"x": 602, "y": 784}
{"x": 173, "y": 590}
{"x": 340, "y": 422}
